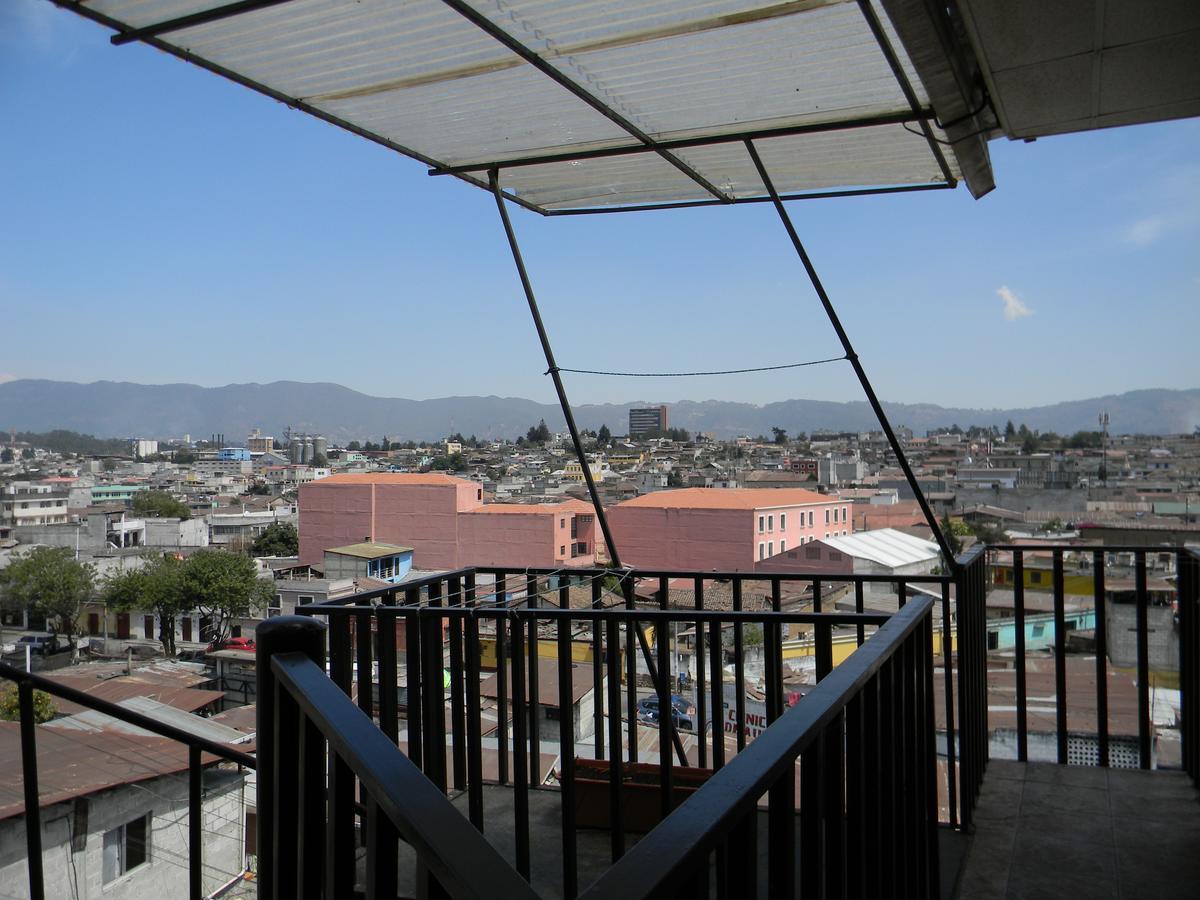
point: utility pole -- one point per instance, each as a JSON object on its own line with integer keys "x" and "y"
{"x": 1104, "y": 448}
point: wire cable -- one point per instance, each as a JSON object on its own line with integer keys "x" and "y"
{"x": 796, "y": 365}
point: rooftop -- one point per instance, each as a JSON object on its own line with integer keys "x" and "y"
{"x": 425, "y": 478}
{"x": 369, "y": 550}
{"x": 886, "y": 546}
{"x": 728, "y": 498}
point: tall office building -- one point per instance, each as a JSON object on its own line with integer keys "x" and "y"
{"x": 651, "y": 418}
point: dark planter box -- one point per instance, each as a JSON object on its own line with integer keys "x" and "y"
{"x": 641, "y": 807}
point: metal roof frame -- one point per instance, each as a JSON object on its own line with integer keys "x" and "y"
{"x": 152, "y": 36}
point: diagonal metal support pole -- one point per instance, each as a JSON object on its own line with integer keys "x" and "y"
{"x": 552, "y": 367}
{"x": 852, "y": 356}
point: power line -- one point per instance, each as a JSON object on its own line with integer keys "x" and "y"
{"x": 796, "y": 365}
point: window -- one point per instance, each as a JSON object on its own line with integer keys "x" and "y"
{"x": 845, "y": 515}
{"x": 562, "y": 523}
{"x": 126, "y": 847}
{"x": 761, "y": 519}
{"x": 479, "y": 494}
{"x": 782, "y": 525}
{"x": 303, "y": 599}
{"x": 783, "y": 546}
{"x": 1035, "y": 577}
{"x": 1038, "y": 631}
{"x": 562, "y": 550}
{"x": 770, "y": 523}
{"x": 827, "y": 519}
{"x": 762, "y": 550}
{"x": 770, "y": 548}
{"x": 810, "y": 518}
{"x": 993, "y": 640}
{"x": 835, "y": 516}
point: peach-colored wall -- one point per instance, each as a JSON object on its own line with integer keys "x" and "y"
{"x": 423, "y": 517}
{"x": 797, "y": 531}
{"x": 332, "y": 517}
{"x": 444, "y": 524}
{"x": 698, "y": 539}
{"x": 723, "y": 539}
{"x": 508, "y": 539}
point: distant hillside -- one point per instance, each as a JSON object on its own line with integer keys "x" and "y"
{"x": 111, "y": 409}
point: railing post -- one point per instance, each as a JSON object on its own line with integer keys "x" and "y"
{"x": 33, "y": 809}
{"x": 1188, "y": 574}
{"x": 282, "y": 634}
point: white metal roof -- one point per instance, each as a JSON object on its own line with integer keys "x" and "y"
{"x": 886, "y": 546}
{"x": 475, "y": 83}
{"x": 94, "y": 720}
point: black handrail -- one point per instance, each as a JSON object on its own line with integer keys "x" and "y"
{"x": 668, "y": 858}
{"x": 1105, "y": 638}
{"x": 400, "y": 800}
{"x": 27, "y": 683}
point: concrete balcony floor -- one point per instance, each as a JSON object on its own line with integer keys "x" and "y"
{"x": 1048, "y": 831}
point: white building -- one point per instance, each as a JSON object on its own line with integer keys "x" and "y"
{"x": 141, "y": 447}
{"x": 114, "y": 816}
{"x": 32, "y": 503}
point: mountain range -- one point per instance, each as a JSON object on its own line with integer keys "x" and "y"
{"x": 122, "y": 409}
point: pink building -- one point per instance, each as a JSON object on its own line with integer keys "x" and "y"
{"x": 444, "y": 519}
{"x": 724, "y": 529}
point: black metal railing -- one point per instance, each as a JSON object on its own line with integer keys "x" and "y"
{"x": 340, "y": 803}
{"x": 971, "y": 677}
{"x": 526, "y": 614}
{"x": 197, "y": 746}
{"x": 1145, "y": 631}
{"x": 864, "y": 741}
{"x": 317, "y": 745}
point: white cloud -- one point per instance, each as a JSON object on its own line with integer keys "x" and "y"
{"x": 1014, "y": 308}
{"x": 1145, "y": 232}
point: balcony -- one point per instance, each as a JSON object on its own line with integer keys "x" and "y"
{"x": 506, "y": 746}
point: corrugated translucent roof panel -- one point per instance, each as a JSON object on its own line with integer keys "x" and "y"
{"x": 422, "y": 77}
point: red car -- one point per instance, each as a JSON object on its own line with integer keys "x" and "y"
{"x": 235, "y": 643}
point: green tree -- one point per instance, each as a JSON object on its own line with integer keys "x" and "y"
{"x": 604, "y": 436}
{"x": 159, "y": 505}
{"x": 279, "y": 539}
{"x": 320, "y": 460}
{"x": 157, "y": 587}
{"x": 780, "y": 434}
{"x": 954, "y": 530}
{"x": 6, "y": 456}
{"x": 674, "y": 479}
{"x": 183, "y": 456}
{"x": 455, "y": 462}
{"x": 223, "y": 586}
{"x": 354, "y": 445}
{"x": 538, "y": 434}
{"x": 50, "y": 582}
{"x": 1010, "y": 430}
{"x": 10, "y": 706}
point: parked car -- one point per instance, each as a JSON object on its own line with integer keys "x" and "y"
{"x": 682, "y": 705}
{"x": 682, "y": 712}
{"x": 233, "y": 643}
{"x": 41, "y": 643}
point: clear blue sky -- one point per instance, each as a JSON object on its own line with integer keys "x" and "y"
{"x": 163, "y": 225}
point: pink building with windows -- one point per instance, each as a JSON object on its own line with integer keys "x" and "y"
{"x": 724, "y": 529}
{"x": 444, "y": 519}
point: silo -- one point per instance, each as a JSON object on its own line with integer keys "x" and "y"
{"x": 320, "y": 446}
{"x": 296, "y": 449}
{"x": 307, "y": 456}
